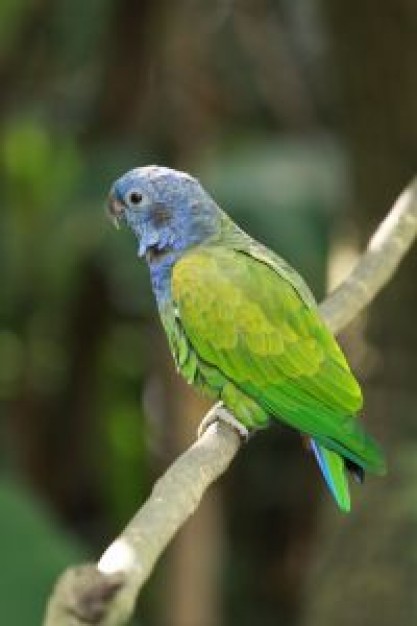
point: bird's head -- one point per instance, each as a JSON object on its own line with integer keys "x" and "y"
{"x": 167, "y": 210}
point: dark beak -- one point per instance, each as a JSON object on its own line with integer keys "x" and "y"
{"x": 115, "y": 210}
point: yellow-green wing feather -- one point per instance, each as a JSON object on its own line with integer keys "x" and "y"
{"x": 253, "y": 324}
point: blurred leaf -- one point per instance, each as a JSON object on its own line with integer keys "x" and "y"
{"x": 124, "y": 464}
{"x": 34, "y": 551}
{"x": 124, "y": 433}
{"x": 38, "y": 167}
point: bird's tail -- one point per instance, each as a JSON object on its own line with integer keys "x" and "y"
{"x": 333, "y": 469}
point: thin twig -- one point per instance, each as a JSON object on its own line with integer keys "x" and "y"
{"x": 105, "y": 593}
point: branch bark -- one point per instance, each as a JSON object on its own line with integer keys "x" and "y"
{"x": 105, "y": 593}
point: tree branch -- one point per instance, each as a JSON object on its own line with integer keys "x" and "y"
{"x": 378, "y": 263}
{"x": 105, "y": 593}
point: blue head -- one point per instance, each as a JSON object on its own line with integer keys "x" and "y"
{"x": 168, "y": 211}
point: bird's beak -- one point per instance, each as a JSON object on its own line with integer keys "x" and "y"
{"x": 115, "y": 210}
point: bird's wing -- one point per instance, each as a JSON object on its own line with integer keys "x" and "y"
{"x": 248, "y": 320}
{"x": 239, "y": 241}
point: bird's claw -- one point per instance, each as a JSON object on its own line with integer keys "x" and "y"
{"x": 219, "y": 413}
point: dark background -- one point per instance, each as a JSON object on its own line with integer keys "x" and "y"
{"x": 300, "y": 117}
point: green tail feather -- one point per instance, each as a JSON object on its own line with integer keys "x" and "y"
{"x": 332, "y": 467}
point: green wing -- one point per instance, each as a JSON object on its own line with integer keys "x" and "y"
{"x": 263, "y": 333}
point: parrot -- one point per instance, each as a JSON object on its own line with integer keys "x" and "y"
{"x": 242, "y": 325}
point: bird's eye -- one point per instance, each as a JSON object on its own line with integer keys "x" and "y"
{"x": 134, "y": 198}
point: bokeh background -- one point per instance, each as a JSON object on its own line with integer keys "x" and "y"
{"x": 300, "y": 117}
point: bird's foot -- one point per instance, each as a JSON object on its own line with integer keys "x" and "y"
{"x": 219, "y": 413}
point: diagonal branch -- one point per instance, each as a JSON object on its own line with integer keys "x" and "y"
{"x": 391, "y": 241}
{"x": 105, "y": 593}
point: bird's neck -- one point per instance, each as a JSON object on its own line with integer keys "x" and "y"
{"x": 160, "y": 268}
{"x": 161, "y": 264}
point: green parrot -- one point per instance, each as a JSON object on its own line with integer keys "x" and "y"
{"x": 242, "y": 325}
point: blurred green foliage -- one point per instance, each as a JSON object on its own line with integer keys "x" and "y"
{"x": 34, "y": 552}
